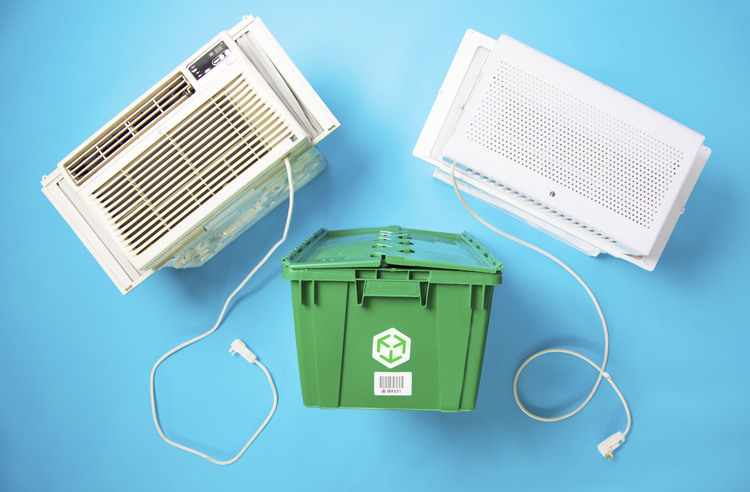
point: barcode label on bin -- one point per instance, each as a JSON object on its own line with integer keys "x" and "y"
{"x": 392, "y": 384}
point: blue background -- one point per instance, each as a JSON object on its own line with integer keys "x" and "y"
{"x": 75, "y": 355}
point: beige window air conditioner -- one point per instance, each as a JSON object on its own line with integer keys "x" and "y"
{"x": 194, "y": 161}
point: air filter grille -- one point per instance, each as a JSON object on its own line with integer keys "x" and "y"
{"x": 117, "y": 136}
{"x": 190, "y": 164}
{"x": 575, "y": 145}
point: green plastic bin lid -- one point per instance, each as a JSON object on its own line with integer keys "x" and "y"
{"x": 392, "y": 246}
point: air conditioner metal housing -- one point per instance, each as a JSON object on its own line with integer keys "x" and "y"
{"x": 560, "y": 150}
{"x": 195, "y": 160}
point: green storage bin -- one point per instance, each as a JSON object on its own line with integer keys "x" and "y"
{"x": 391, "y": 318}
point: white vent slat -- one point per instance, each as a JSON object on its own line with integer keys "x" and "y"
{"x": 155, "y": 106}
{"x": 141, "y": 215}
{"x": 172, "y": 203}
{"x": 211, "y": 170}
{"x": 242, "y": 158}
{"x": 197, "y": 128}
{"x": 201, "y": 153}
{"x": 507, "y": 190}
{"x": 114, "y": 141}
{"x": 277, "y": 137}
{"x": 148, "y": 237}
{"x": 116, "y": 188}
{"x": 156, "y": 170}
{"x": 267, "y": 127}
{"x": 190, "y": 164}
{"x": 186, "y": 205}
{"x": 88, "y": 162}
{"x": 172, "y": 179}
{"x": 188, "y": 174}
{"x": 182, "y": 205}
{"x": 162, "y": 200}
{"x": 245, "y": 100}
{"x": 276, "y": 133}
{"x": 198, "y": 152}
{"x": 259, "y": 120}
{"x": 123, "y": 208}
{"x": 218, "y": 175}
{"x": 129, "y": 195}
{"x": 121, "y": 134}
{"x": 165, "y": 206}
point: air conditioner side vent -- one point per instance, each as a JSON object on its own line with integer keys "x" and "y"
{"x": 120, "y": 134}
{"x": 516, "y": 195}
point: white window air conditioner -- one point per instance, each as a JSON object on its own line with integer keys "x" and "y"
{"x": 196, "y": 160}
{"x": 560, "y": 150}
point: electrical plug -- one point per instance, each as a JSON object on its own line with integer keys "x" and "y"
{"x": 239, "y": 347}
{"x": 608, "y": 446}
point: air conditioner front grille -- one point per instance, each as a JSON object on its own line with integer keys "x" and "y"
{"x": 117, "y": 136}
{"x": 190, "y": 164}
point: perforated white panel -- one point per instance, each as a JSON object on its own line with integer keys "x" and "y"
{"x": 574, "y": 145}
{"x": 543, "y": 128}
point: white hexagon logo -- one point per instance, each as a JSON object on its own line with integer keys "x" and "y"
{"x": 391, "y": 348}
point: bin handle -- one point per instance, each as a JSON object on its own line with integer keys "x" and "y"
{"x": 392, "y": 288}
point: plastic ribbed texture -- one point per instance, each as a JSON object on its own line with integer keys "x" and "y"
{"x": 190, "y": 164}
{"x": 118, "y": 136}
{"x": 392, "y": 246}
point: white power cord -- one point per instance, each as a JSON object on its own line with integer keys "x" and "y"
{"x": 237, "y": 346}
{"x": 606, "y": 447}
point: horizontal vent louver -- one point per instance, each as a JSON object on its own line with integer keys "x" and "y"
{"x": 117, "y": 136}
{"x": 557, "y": 215}
{"x": 189, "y": 164}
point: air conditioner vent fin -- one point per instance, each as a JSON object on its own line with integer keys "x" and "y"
{"x": 507, "y": 190}
{"x": 190, "y": 164}
{"x": 119, "y": 135}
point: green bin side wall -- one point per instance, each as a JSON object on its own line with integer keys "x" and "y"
{"x": 334, "y": 344}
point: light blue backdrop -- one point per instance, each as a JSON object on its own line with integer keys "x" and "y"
{"x": 75, "y": 354}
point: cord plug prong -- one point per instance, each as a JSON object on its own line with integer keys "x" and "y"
{"x": 239, "y": 347}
